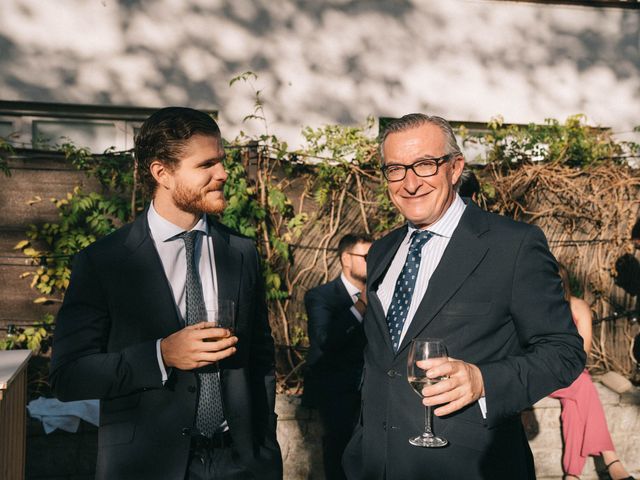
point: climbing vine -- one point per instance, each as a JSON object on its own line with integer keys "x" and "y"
{"x": 296, "y": 203}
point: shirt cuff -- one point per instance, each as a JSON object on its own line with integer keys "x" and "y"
{"x": 356, "y": 313}
{"x": 163, "y": 370}
{"x": 482, "y": 402}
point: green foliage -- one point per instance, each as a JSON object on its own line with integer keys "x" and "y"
{"x": 335, "y": 161}
{"x": 243, "y": 212}
{"x": 114, "y": 170}
{"x": 574, "y": 143}
{"x": 6, "y": 149}
{"x": 84, "y": 217}
{"x": 35, "y": 337}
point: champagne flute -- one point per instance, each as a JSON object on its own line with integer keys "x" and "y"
{"x": 422, "y": 349}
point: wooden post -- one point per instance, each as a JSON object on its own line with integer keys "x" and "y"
{"x": 13, "y": 413}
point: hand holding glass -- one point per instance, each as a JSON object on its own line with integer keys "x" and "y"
{"x": 422, "y": 349}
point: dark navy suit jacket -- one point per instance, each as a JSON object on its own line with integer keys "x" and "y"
{"x": 336, "y": 339}
{"x": 496, "y": 300}
{"x": 119, "y": 302}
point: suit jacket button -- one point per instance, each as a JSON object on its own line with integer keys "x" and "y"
{"x": 191, "y": 389}
{"x": 186, "y": 431}
{"x": 392, "y": 373}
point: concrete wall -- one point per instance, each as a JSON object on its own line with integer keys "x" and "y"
{"x": 330, "y": 61}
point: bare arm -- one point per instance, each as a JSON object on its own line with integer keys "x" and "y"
{"x": 581, "y": 313}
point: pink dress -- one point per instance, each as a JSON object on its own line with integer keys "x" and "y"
{"x": 584, "y": 426}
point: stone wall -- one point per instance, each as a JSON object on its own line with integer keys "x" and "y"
{"x": 623, "y": 417}
{"x": 63, "y": 455}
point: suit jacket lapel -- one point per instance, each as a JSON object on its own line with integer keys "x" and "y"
{"x": 460, "y": 258}
{"x": 343, "y": 297}
{"x": 228, "y": 263}
{"x": 389, "y": 247}
{"x": 144, "y": 260}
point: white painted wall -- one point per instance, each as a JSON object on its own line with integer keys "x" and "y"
{"x": 328, "y": 61}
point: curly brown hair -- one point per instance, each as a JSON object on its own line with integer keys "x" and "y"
{"x": 163, "y": 137}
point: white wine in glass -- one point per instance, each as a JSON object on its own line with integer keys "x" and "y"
{"x": 422, "y": 349}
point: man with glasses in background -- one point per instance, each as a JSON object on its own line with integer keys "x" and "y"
{"x": 485, "y": 285}
{"x": 336, "y": 342}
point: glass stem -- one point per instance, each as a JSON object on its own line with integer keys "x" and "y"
{"x": 427, "y": 422}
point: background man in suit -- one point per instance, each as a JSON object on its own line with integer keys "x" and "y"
{"x": 487, "y": 286}
{"x": 178, "y": 400}
{"x": 336, "y": 342}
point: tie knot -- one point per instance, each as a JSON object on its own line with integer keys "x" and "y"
{"x": 189, "y": 238}
{"x": 419, "y": 238}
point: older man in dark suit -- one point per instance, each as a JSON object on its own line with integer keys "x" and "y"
{"x": 178, "y": 399}
{"x": 484, "y": 284}
{"x": 336, "y": 343}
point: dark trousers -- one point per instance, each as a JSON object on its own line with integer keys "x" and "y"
{"x": 217, "y": 462}
{"x": 339, "y": 413}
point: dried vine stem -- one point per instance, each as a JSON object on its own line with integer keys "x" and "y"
{"x": 594, "y": 206}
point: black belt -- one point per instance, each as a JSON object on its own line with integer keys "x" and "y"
{"x": 219, "y": 440}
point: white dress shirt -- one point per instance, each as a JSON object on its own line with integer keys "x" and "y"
{"x": 354, "y": 292}
{"x": 432, "y": 252}
{"x": 171, "y": 250}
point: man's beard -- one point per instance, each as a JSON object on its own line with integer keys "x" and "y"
{"x": 196, "y": 202}
{"x": 359, "y": 277}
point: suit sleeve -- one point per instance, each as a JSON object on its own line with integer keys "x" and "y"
{"x": 552, "y": 354}
{"x": 81, "y": 367}
{"x": 262, "y": 361}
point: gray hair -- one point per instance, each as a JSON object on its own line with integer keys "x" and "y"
{"x": 415, "y": 120}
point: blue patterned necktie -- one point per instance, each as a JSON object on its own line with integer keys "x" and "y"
{"x": 401, "y": 301}
{"x": 209, "y": 415}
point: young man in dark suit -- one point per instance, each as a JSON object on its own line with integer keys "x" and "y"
{"x": 336, "y": 342}
{"x": 177, "y": 399}
{"x": 489, "y": 288}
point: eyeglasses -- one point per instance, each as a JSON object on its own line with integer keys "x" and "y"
{"x": 422, "y": 168}
{"x": 359, "y": 255}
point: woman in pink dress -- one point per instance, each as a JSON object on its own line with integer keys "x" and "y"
{"x": 584, "y": 427}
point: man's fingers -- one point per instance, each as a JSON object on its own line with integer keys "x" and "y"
{"x": 216, "y": 345}
{"x": 205, "y": 332}
{"x": 440, "y": 399}
{"x": 432, "y": 362}
{"x": 455, "y": 392}
{"x": 211, "y": 357}
{"x": 449, "y": 408}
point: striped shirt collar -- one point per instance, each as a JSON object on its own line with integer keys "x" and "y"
{"x": 446, "y": 225}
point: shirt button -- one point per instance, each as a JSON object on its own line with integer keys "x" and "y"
{"x": 392, "y": 373}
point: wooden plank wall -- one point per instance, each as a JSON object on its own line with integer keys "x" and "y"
{"x": 13, "y": 428}
{"x": 33, "y": 174}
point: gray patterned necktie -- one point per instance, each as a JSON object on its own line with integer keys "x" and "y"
{"x": 209, "y": 415}
{"x": 403, "y": 292}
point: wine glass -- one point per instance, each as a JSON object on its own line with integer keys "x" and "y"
{"x": 422, "y": 349}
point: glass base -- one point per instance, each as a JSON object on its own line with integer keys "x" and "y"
{"x": 430, "y": 441}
